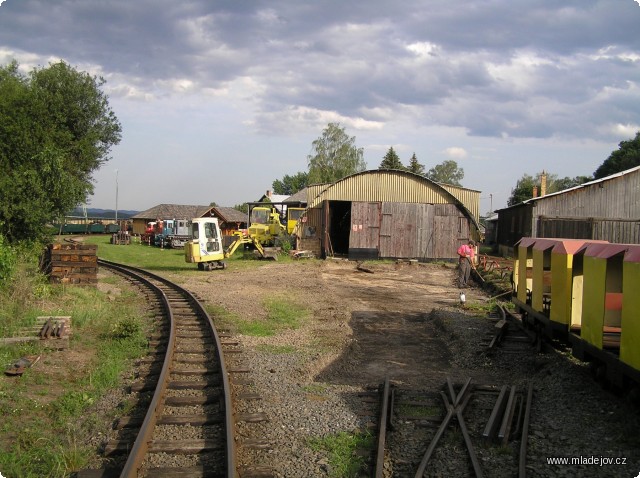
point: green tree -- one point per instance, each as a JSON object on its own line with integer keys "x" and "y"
{"x": 391, "y": 161}
{"x": 244, "y": 207}
{"x": 334, "y": 156}
{"x": 526, "y": 184}
{"x": 415, "y": 166}
{"x": 523, "y": 190}
{"x": 289, "y": 185}
{"x": 561, "y": 184}
{"x": 446, "y": 172}
{"x": 56, "y": 129}
{"x": 627, "y": 156}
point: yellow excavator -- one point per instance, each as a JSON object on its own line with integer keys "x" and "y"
{"x": 205, "y": 246}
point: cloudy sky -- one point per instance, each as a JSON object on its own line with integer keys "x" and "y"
{"x": 217, "y": 99}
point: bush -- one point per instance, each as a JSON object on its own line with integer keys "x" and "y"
{"x": 125, "y": 328}
{"x": 7, "y": 261}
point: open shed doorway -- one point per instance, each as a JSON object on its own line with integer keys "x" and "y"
{"x": 338, "y": 217}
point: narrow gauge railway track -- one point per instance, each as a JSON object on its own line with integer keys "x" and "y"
{"x": 509, "y": 335}
{"x": 421, "y": 433}
{"x": 188, "y": 429}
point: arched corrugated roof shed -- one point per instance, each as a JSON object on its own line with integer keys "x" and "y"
{"x": 390, "y": 185}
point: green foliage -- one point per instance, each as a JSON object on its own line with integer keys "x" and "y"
{"x": 7, "y": 261}
{"x": 45, "y": 399}
{"x": 56, "y": 129}
{"x": 627, "y": 156}
{"x": 341, "y": 450}
{"x": 446, "y": 172}
{"x": 561, "y": 184}
{"x": 415, "y": 167}
{"x": 277, "y": 349}
{"x": 289, "y": 185}
{"x": 523, "y": 190}
{"x": 334, "y": 156}
{"x": 525, "y": 185}
{"x": 125, "y": 328}
{"x": 391, "y": 161}
{"x": 244, "y": 207}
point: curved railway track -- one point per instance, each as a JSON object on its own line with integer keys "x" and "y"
{"x": 188, "y": 427}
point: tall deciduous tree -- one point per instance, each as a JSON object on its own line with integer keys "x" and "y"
{"x": 289, "y": 185}
{"x": 415, "y": 166}
{"x": 526, "y": 184}
{"x": 391, "y": 160}
{"x": 56, "y": 129}
{"x": 446, "y": 172}
{"x": 523, "y": 189}
{"x": 627, "y": 156}
{"x": 334, "y": 156}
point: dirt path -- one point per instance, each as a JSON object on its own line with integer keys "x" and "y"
{"x": 361, "y": 317}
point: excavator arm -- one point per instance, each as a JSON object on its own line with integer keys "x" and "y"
{"x": 246, "y": 239}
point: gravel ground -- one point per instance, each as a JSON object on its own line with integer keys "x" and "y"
{"x": 311, "y": 380}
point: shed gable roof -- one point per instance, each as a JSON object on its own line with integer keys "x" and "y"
{"x": 229, "y": 214}
{"x": 172, "y": 211}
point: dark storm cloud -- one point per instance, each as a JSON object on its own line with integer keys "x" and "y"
{"x": 495, "y": 67}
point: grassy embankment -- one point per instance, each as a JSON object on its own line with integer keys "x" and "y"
{"x": 47, "y": 412}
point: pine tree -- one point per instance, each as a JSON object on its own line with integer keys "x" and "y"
{"x": 391, "y": 161}
{"x": 415, "y": 166}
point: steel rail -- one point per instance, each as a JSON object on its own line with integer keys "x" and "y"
{"x": 522, "y": 462}
{"x": 463, "y": 428}
{"x": 451, "y": 409}
{"x": 382, "y": 432}
{"x": 141, "y": 444}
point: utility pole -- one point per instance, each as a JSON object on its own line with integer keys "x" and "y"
{"x": 116, "y": 196}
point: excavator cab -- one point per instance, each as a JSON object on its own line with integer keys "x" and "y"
{"x": 205, "y": 246}
{"x": 265, "y": 225}
{"x": 293, "y": 216}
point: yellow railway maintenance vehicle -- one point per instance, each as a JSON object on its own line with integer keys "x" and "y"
{"x": 205, "y": 246}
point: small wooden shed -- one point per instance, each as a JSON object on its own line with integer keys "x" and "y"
{"x": 229, "y": 218}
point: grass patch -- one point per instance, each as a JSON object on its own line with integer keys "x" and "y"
{"x": 282, "y": 314}
{"x": 315, "y": 388}
{"x": 479, "y": 307}
{"x": 166, "y": 260}
{"x": 341, "y": 450}
{"x": 47, "y": 411}
{"x": 417, "y": 411}
{"x": 141, "y": 255}
{"x": 223, "y": 319}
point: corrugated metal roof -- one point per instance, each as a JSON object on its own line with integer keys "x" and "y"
{"x": 390, "y": 185}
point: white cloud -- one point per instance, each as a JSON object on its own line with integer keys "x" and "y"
{"x": 455, "y": 153}
{"x": 423, "y": 49}
{"x": 624, "y": 131}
